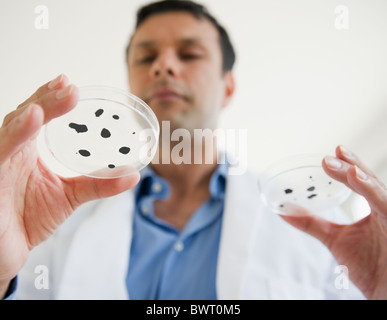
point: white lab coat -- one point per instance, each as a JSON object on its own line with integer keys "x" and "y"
{"x": 260, "y": 257}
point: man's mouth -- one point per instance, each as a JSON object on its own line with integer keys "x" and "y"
{"x": 165, "y": 94}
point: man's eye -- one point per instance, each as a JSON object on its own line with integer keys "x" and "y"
{"x": 146, "y": 59}
{"x": 190, "y": 56}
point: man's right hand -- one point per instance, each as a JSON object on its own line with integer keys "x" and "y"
{"x": 33, "y": 200}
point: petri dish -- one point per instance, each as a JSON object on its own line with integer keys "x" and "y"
{"x": 110, "y": 133}
{"x": 301, "y": 180}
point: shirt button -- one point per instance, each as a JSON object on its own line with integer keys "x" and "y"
{"x": 144, "y": 210}
{"x": 179, "y": 246}
{"x": 157, "y": 187}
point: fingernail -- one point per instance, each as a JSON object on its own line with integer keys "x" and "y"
{"x": 26, "y": 112}
{"x": 346, "y": 152}
{"x": 54, "y": 83}
{"x": 360, "y": 174}
{"x": 64, "y": 92}
{"x": 333, "y": 163}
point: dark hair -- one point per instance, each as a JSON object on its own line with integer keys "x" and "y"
{"x": 199, "y": 11}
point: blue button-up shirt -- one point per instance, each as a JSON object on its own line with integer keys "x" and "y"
{"x": 166, "y": 263}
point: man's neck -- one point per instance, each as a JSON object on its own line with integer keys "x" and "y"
{"x": 190, "y": 171}
{"x": 186, "y": 177}
{"x": 189, "y": 189}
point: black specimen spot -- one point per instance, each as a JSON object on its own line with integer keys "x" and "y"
{"x": 312, "y": 196}
{"x": 98, "y": 112}
{"x": 111, "y": 166}
{"x": 287, "y": 191}
{"x": 105, "y": 133}
{"x": 124, "y": 150}
{"x": 310, "y": 177}
{"x": 133, "y": 132}
{"x": 79, "y": 128}
{"x": 116, "y": 117}
{"x": 311, "y": 189}
{"x": 330, "y": 182}
{"x": 281, "y": 205}
{"x": 84, "y": 153}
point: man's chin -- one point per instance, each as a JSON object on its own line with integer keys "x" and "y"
{"x": 181, "y": 127}
{"x": 172, "y": 103}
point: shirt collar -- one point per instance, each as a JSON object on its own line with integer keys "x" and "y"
{"x": 218, "y": 181}
{"x": 151, "y": 183}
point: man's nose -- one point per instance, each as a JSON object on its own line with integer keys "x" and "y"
{"x": 166, "y": 65}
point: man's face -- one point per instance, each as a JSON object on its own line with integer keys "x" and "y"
{"x": 175, "y": 66}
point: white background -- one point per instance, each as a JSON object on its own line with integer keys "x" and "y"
{"x": 302, "y": 84}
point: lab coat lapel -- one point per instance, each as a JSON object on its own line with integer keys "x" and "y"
{"x": 239, "y": 221}
{"x": 98, "y": 256}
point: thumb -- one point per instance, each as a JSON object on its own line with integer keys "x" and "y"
{"x": 308, "y": 222}
{"x": 85, "y": 189}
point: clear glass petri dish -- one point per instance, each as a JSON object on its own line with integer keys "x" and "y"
{"x": 301, "y": 180}
{"x": 110, "y": 133}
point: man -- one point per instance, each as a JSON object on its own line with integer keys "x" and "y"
{"x": 185, "y": 231}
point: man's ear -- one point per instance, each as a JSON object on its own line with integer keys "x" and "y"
{"x": 229, "y": 87}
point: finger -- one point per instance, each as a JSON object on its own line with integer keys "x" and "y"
{"x": 362, "y": 182}
{"x": 337, "y": 169}
{"x": 83, "y": 189}
{"x": 58, "y": 102}
{"x": 41, "y": 97}
{"x": 54, "y": 104}
{"x": 313, "y": 225}
{"x": 18, "y": 126}
{"x": 351, "y": 158}
{"x": 59, "y": 82}
{"x": 369, "y": 187}
{"x": 19, "y": 130}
